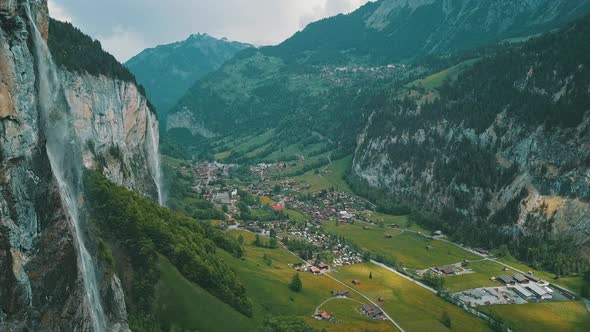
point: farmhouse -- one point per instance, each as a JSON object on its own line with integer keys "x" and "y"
{"x": 323, "y": 315}
{"x": 372, "y": 311}
{"x": 341, "y": 293}
{"x": 445, "y": 270}
{"x": 315, "y": 270}
{"x": 356, "y": 282}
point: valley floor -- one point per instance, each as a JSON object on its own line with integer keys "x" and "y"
{"x": 340, "y": 227}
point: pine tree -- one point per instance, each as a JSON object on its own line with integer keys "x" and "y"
{"x": 296, "y": 284}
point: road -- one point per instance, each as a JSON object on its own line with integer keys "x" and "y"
{"x": 389, "y": 318}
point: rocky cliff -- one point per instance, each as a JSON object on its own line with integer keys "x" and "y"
{"x": 500, "y": 151}
{"x": 44, "y": 244}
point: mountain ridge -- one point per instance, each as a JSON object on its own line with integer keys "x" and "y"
{"x": 167, "y": 71}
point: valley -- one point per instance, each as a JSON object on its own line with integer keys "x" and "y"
{"x": 295, "y": 224}
{"x": 382, "y": 165}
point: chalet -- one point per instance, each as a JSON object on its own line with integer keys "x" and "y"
{"x": 341, "y": 293}
{"x": 446, "y": 270}
{"x": 323, "y": 266}
{"x": 437, "y": 233}
{"x": 315, "y": 270}
{"x": 322, "y": 314}
{"x": 388, "y": 236}
{"x": 482, "y": 251}
{"x": 356, "y": 282}
{"x": 278, "y": 207}
{"x": 506, "y": 280}
{"x": 372, "y": 311}
{"x": 366, "y": 228}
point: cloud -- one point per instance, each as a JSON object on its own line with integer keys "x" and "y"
{"x": 124, "y": 26}
{"x": 123, "y": 42}
{"x": 57, "y": 12}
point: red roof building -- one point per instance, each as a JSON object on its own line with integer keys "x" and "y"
{"x": 277, "y": 207}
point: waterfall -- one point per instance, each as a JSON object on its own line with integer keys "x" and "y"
{"x": 64, "y": 153}
{"x": 154, "y": 155}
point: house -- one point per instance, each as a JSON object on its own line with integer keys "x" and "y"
{"x": 388, "y": 236}
{"x": 341, "y": 293}
{"x": 356, "y": 282}
{"x": 322, "y": 314}
{"x": 323, "y": 266}
{"x": 372, "y": 311}
{"x": 446, "y": 270}
{"x": 506, "y": 280}
{"x": 437, "y": 233}
{"x": 315, "y": 270}
{"x": 277, "y": 207}
{"x": 520, "y": 278}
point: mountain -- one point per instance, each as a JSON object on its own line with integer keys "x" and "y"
{"x": 316, "y": 83}
{"x": 395, "y": 30}
{"x": 168, "y": 71}
{"x": 498, "y": 154}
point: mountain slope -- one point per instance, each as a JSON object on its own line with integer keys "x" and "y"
{"x": 319, "y": 80}
{"x": 168, "y": 71}
{"x": 500, "y": 152}
{"x": 394, "y": 30}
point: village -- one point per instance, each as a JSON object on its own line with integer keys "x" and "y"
{"x": 288, "y": 210}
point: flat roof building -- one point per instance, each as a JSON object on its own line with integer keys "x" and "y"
{"x": 506, "y": 279}
{"x": 523, "y": 292}
{"x": 539, "y": 291}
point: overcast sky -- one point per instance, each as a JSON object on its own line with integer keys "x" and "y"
{"x": 125, "y": 27}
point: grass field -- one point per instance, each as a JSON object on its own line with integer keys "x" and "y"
{"x": 409, "y": 249}
{"x": 539, "y": 317}
{"x": 184, "y": 304}
{"x": 436, "y": 80}
{"x": 267, "y": 286}
{"x": 333, "y": 176}
{"x": 412, "y": 306}
{"x": 343, "y": 310}
{"x": 401, "y": 221}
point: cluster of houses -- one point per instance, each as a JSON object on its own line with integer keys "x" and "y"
{"x": 527, "y": 286}
{"x": 317, "y": 268}
{"x": 342, "y": 253}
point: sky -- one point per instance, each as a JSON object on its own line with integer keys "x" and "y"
{"x": 126, "y": 27}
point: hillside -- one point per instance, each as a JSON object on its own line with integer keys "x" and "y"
{"x": 168, "y": 71}
{"x": 393, "y": 30}
{"x": 320, "y": 80}
{"x": 499, "y": 153}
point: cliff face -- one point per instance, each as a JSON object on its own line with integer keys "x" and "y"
{"x": 501, "y": 152}
{"x": 42, "y": 279}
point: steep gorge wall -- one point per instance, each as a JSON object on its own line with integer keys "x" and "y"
{"x": 41, "y": 286}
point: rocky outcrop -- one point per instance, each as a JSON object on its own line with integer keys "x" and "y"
{"x": 186, "y": 119}
{"x": 41, "y": 283}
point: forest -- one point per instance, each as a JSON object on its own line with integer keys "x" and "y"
{"x": 143, "y": 230}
